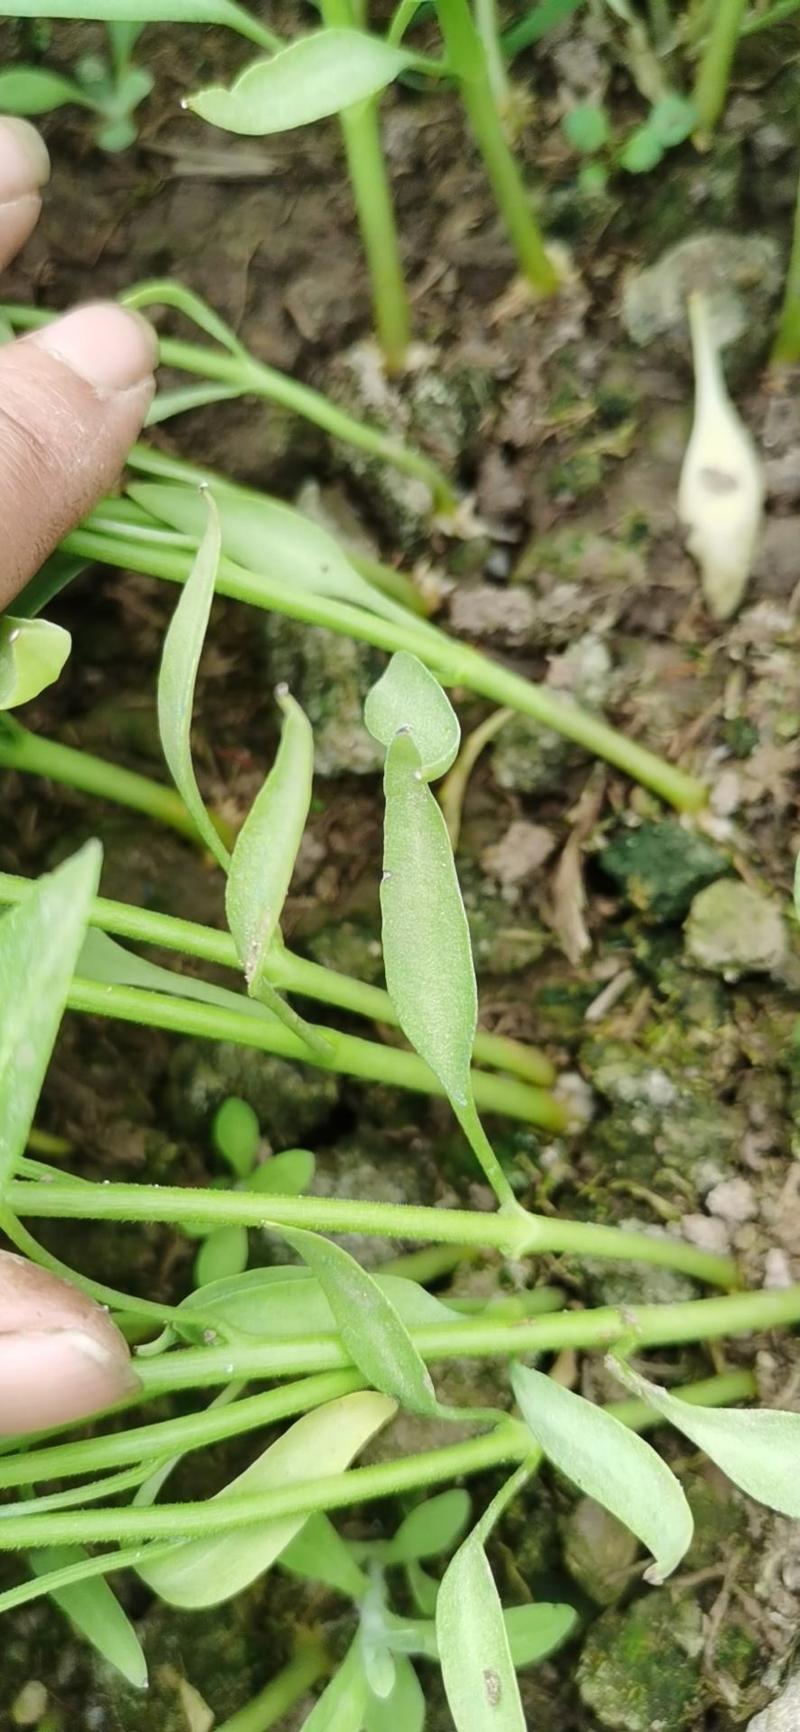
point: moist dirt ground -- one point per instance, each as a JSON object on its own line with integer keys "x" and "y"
{"x": 671, "y": 1019}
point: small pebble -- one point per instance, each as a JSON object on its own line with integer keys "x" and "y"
{"x": 733, "y": 1200}
{"x": 707, "y": 1232}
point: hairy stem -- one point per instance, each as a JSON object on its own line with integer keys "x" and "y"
{"x": 515, "y": 1233}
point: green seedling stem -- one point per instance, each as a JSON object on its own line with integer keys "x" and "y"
{"x": 786, "y": 349}
{"x": 454, "y": 664}
{"x": 252, "y": 378}
{"x": 347, "y": 1054}
{"x": 713, "y": 72}
{"x": 468, "y": 62}
{"x": 516, "y": 1233}
{"x": 290, "y": 973}
{"x": 510, "y": 1441}
{"x": 373, "y": 201}
{"x": 31, "y": 754}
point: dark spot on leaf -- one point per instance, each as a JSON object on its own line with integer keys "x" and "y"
{"x": 493, "y": 1688}
{"x": 718, "y": 480}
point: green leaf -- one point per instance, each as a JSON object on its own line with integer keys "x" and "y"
{"x": 609, "y": 1463}
{"x": 642, "y": 151}
{"x": 180, "y": 660}
{"x": 319, "y": 1554}
{"x": 341, "y": 1706}
{"x": 758, "y": 1448}
{"x": 403, "y": 1710}
{"x": 236, "y": 1134}
{"x": 205, "y": 1572}
{"x": 155, "y": 11}
{"x": 32, "y": 90}
{"x": 267, "y": 845}
{"x": 95, "y": 1613}
{"x": 32, "y": 655}
{"x": 102, "y": 959}
{"x": 586, "y": 128}
{"x": 371, "y": 1328}
{"x": 424, "y": 1591}
{"x": 433, "y": 1527}
{"x": 474, "y": 1650}
{"x": 538, "y": 1630}
{"x": 318, "y": 75}
{"x": 222, "y": 1254}
{"x": 39, "y": 943}
{"x": 288, "y": 1174}
{"x": 264, "y": 535}
{"x": 672, "y": 120}
{"x": 280, "y": 1302}
{"x": 409, "y": 699}
{"x": 426, "y": 945}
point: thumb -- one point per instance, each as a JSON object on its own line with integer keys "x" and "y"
{"x": 73, "y": 398}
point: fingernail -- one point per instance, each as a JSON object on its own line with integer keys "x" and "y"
{"x": 110, "y": 347}
{"x": 61, "y": 1357}
{"x": 24, "y": 162}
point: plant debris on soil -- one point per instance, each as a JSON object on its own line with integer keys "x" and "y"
{"x": 652, "y": 957}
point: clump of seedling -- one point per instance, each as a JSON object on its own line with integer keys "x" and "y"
{"x": 349, "y": 1347}
{"x": 111, "y": 86}
{"x": 588, "y": 128}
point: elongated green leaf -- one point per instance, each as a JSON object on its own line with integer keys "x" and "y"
{"x": 538, "y": 1630}
{"x": 39, "y": 943}
{"x": 610, "y": 1463}
{"x": 403, "y": 1710}
{"x": 426, "y": 946}
{"x": 205, "y": 1572}
{"x": 318, "y": 75}
{"x": 33, "y": 90}
{"x": 156, "y": 11}
{"x": 266, "y": 848}
{"x": 319, "y": 1554}
{"x": 474, "y": 1649}
{"x": 758, "y": 1448}
{"x": 341, "y": 1706}
{"x": 264, "y": 535}
{"x": 433, "y": 1527}
{"x": 32, "y": 651}
{"x": 273, "y": 1303}
{"x": 177, "y": 677}
{"x": 95, "y": 1613}
{"x": 102, "y": 959}
{"x": 369, "y": 1324}
{"x": 408, "y": 699}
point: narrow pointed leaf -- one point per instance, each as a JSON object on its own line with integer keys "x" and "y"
{"x": 39, "y": 943}
{"x": 32, "y": 652}
{"x": 474, "y": 1651}
{"x": 34, "y": 90}
{"x": 758, "y": 1448}
{"x": 407, "y": 697}
{"x": 205, "y": 1572}
{"x": 609, "y": 1463}
{"x": 103, "y": 959}
{"x": 177, "y": 677}
{"x": 318, "y": 75}
{"x": 266, "y": 848}
{"x": 426, "y": 945}
{"x": 279, "y": 1302}
{"x": 264, "y": 535}
{"x": 95, "y": 1612}
{"x": 369, "y": 1324}
{"x": 158, "y": 11}
{"x": 403, "y": 1710}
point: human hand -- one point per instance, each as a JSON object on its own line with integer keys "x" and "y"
{"x": 73, "y": 396}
